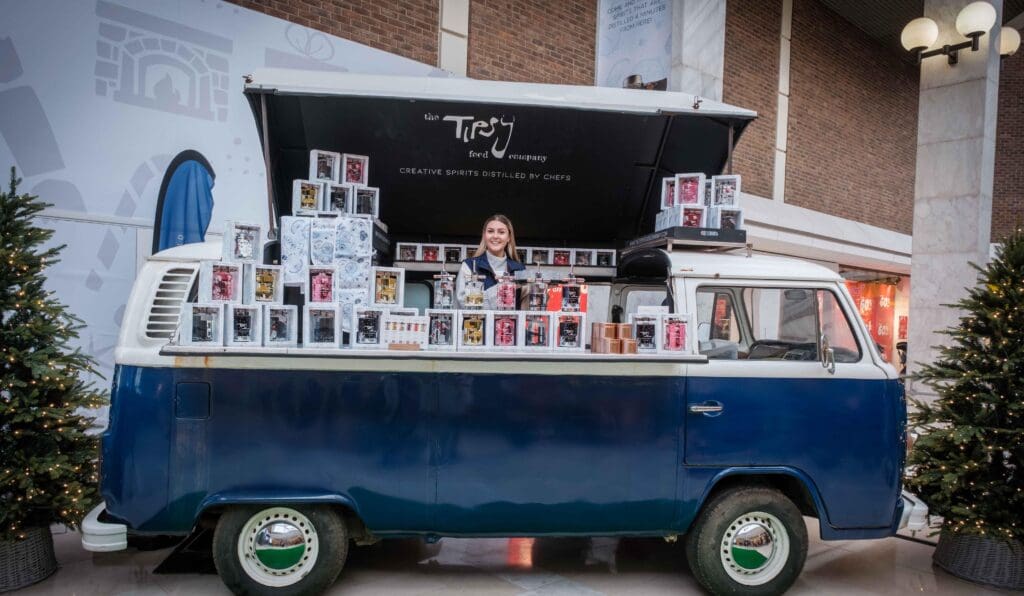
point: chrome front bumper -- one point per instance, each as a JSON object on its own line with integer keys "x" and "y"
{"x": 915, "y": 513}
{"x": 101, "y": 537}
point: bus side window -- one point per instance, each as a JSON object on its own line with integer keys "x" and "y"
{"x": 718, "y": 331}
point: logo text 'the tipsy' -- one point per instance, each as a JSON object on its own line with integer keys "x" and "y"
{"x": 468, "y": 128}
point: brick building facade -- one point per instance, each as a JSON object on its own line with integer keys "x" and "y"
{"x": 852, "y": 119}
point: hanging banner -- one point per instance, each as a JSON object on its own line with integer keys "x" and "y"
{"x": 634, "y": 43}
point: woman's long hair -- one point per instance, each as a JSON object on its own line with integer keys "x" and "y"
{"x": 510, "y": 248}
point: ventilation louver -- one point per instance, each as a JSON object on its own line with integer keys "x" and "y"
{"x": 164, "y": 312}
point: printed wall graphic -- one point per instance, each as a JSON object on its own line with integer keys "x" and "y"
{"x": 634, "y": 43}
{"x": 92, "y": 122}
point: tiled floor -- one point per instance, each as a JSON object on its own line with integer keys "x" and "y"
{"x": 524, "y": 567}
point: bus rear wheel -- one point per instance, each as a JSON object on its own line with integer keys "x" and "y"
{"x": 280, "y": 551}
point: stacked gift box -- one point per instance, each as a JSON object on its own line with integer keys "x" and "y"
{"x": 693, "y": 201}
{"x": 337, "y": 184}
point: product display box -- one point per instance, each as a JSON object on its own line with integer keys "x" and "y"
{"x": 280, "y": 325}
{"x": 354, "y": 237}
{"x": 561, "y": 257}
{"x": 263, "y": 284}
{"x": 320, "y": 285}
{"x": 440, "y": 329}
{"x": 321, "y": 326}
{"x": 367, "y": 202}
{"x": 540, "y": 256}
{"x": 324, "y": 165}
{"x": 604, "y": 258}
{"x": 322, "y": 240}
{"x": 356, "y": 168}
{"x": 675, "y": 334}
{"x": 454, "y": 253}
{"x": 387, "y": 286}
{"x": 407, "y": 251}
{"x": 686, "y": 216}
{"x": 472, "y": 330}
{"x": 725, "y": 191}
{"x": 523, "y": 255}
{"x": 583, "y": 257}
{"x": 307, "y": 196}
{"x": 202, "y": 324}
{"x": 506, "y": 329}
{"x": 366, "y": 327}
{"x": 295, "y": 249}
{"x": 353, "y": 272}
{"x": 536, "y": 331}
{"x": 348, "y": 300}
{"x": 570, "y": 331}
{"x": 404, "y": 329}
{"x": 244, "y": 325}
{"x": 727, "y": 218}
{"x": 430, "y": 253}
{"x": 220, "y": 282}
{"x": 340, "y": 198}
{"x": 243, "y": 242}
{"x": 668, "y": 192}
{"x": 646, "y": 332}
{"x": 690, "y": 189}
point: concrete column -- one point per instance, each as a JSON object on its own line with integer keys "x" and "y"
{"x": 698, "y": 47}
{"x": 956, "y": 141}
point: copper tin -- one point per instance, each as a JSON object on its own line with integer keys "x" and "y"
{"x": 616, "y": 346}
{"x": 624, "y": 331}
{"x": 602, "y": 330}
{"x": 601, "y": 345}
{"x": 629, "y": 346}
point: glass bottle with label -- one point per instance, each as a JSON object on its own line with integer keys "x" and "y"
{"x": 474, "y": 298}
{"x": 506, "y": 293}
{"x": 571, "y": 288}
{"x": 537, "y": 293}
{"x": 444, "y": 290}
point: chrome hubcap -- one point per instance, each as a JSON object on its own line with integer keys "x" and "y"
{"x": 754, "y": 548}
{"x": 278, "y": 547}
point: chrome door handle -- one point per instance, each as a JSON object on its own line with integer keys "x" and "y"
{"x": 708, "y": 407}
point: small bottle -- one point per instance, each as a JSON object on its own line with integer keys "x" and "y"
{"x": 506, "y": 293}
{"x": 474, "y": 292}
{"x": 537, "y": 293}
{"x": 571, "y": 289}
{"x": 444, "y": 290}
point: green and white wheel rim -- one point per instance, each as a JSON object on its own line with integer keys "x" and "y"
{"x": 278, "y": 547}
{"x": 754, "y": 548}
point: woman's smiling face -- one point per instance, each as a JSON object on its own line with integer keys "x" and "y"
{"x": 496, "y": 237}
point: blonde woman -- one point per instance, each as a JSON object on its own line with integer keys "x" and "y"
{"x": 495, "y": 256}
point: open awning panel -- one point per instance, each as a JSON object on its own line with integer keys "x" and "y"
{"x": 563, "y": 174}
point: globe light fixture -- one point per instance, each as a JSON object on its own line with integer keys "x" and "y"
{"x": 1009, "y": 41}
{"x": 975, "y": 19}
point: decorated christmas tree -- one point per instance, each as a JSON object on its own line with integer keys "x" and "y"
{"x": 48, "y": 459}
{"x": 968, "y": 465}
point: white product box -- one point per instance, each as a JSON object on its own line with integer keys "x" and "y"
{"x": 202, "y": 324}
{"x": 604, "y": 258}
{"x": 348, "y": 299}
{"x": 453, "y": 253}
{"x": 308, "y": 196}
{"x": 523, "y": 254}
{"x": 295, "y": 249}
{"x": 355, "y": 168}
{"x": 220, "y": 282}
{"x": 243, "y": 325}
{"x": 367, "y": 201}
{"x": 540, "y": 256}
{"x": 675, "y": 333}
{"x": 322, "y": 241}
{"x": 537, "y": 332}
{"x": 570, "y": 331}
{"x": 340, "y": 198}
{"x": 646, "y": 331}
{"x": 668, "y": 192}
{"x": 472, "y": 330}
{"x": 366, "y": 327}
{"x": 280, "y": 325}
{"x": 583, "y": 257}
{"x": 263, "y": 284}
{"x": 243, "y": 242}
{"x": 506, "y": 330}
{"x": 725, "y": 191}
{"x": 407, "y": 251}
{"x": 727, "y": 218}
{"x": 404, "y": 329}
{"x": 354, "y": 237}
{"x": 321, "y": 326}
{"x": 561, "y": 256}
{"x": 387, "y": 287}
{"x": 324, "y": 165}
{"x": 690, "y": 188}
{"x": 687, "y": 216}
{"x": 430, "y": 253}
{"x": 440, "y": 329}
{"x": 353, "y": 272}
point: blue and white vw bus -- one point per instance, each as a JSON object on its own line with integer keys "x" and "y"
{"x": 783, "y": 408}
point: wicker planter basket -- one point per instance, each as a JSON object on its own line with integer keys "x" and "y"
{"x": 25, "y": 562}
{"x": 982, "y": 559}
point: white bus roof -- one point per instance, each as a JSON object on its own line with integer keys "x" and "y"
{"x": 759, "y": 267}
